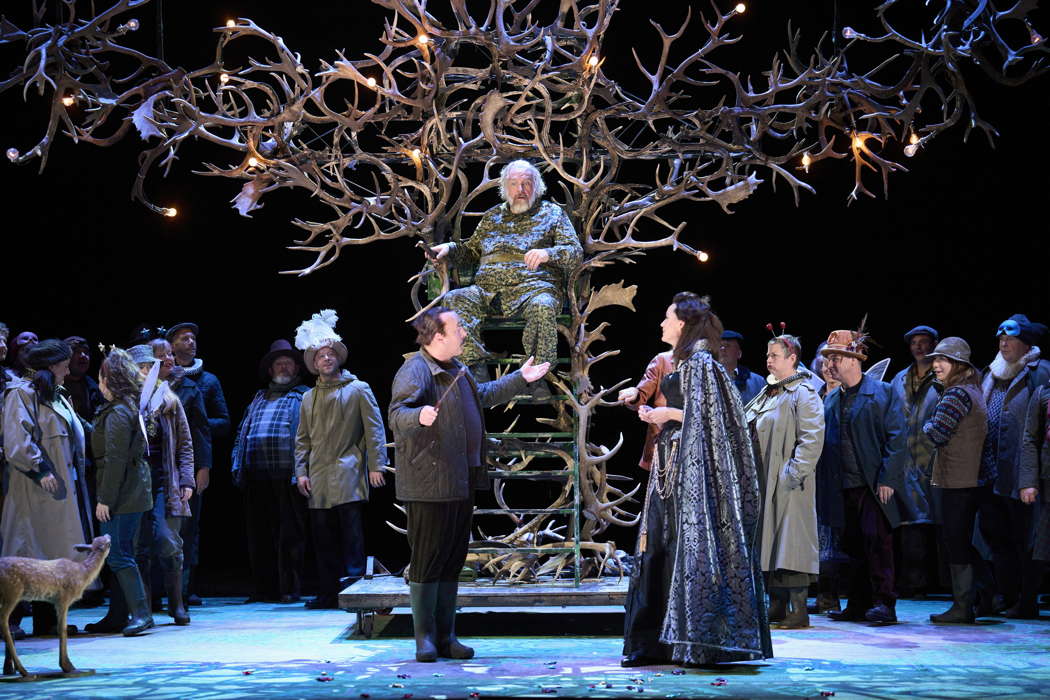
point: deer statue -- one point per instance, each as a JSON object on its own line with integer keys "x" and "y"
{"x": 60, "y": 582}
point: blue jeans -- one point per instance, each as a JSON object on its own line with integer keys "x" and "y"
{"x": 122, "y": 530}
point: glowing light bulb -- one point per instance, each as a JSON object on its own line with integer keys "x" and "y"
{"x": 914, "y": 139}
{"x": 423, "y": 38}
{"x": 371, "y": 82}
{"x": 593, "y": 61}
{"x": 170, "y": 212}
{"x": 253, "y": 162}
{"x": 1035, "y": 37}
{"x": 702, "y": 256}
{"x": 848, "y": 32}
{"x": 806, "y": 161}
{"x": 12, "y": 154}
{"x": 69, "y": 100}
{"x": 133, "y": 25}
{"x": 230, "y": 23}
{"x": 910, "y": 149}
{"x": 224, "y": 78}
{"x": 416, "y": 154}
{"x": 740, "y": 8}
{"x": 858, "y": 142}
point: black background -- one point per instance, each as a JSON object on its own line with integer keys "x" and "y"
{"x": 959, "y": 244}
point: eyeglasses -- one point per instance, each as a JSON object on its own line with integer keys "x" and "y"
{"x": 1009, "y": 327}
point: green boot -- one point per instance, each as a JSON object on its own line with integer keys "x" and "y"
{"x": 447, "y": 645}
{"x": 424, "y": 601}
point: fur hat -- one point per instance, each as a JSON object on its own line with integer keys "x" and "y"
{"x": 1018, "y": 325}
{"x": 46, "y": 353}
{"x": 848, "y": 343}
{"x": 319, "y": 332}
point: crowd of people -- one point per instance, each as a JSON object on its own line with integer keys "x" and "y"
{"x": 822, "y": 476}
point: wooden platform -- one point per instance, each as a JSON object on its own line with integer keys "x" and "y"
{"x": 372, "y": 599}
{"x": 386, "y": 592}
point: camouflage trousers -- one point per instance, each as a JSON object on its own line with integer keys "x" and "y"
{"x": 537, "y": 301}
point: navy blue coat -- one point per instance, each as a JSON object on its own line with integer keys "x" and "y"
{"x": 879, "y": 441}
{"x": 192, "y": 399}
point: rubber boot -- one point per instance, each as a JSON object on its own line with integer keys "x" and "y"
{"x": 424, "y": 604}
{"x": 961, "y": 612}
{"x": 778, "y": 601}
{"x": 447, "y": 645}
{"x": 1027, "y": 607}
{"x": 173, "y": 584}
{"x": 797, "y": 617}
{"x": 984, "y": 590}
{"x": 116, "y": 618}
{"x": 129, "y": 584}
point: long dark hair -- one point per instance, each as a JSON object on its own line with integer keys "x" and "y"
{"x": 43, "y": 381}
{"x": 701, "y": 323}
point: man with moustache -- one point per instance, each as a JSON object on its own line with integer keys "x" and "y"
{"x": 524, "y": 250}
{"x": 263, "y": 467}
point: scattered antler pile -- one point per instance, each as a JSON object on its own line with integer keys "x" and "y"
{"x": 402, "y": 144}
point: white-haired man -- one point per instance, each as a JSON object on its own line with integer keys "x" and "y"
{"x": 524, "y": 250}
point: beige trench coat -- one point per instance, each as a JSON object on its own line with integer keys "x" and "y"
{"x": 789, "y": 432}
{"x": 341, "y": 438}
{"x": 36, "y": 523}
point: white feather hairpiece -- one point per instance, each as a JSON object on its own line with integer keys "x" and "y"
{"x": 318, "y": 331}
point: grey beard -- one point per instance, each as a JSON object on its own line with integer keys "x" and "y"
{"x": 282, "y": 379}
{"x": 518, "y": 208}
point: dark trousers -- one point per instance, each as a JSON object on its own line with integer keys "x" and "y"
{"x": 276, "y": 520}
{"x": 438, "y": 535}
{"x": 915, "y": 548}
{"x": 159, "y": 536}
{"x": 339, "y": 542}
{"x": 191, "y": 539}
{"x": 122, "y": 530}
{"x": 868, "y": 539}
{"x": 1006, "y": 526}
{"x": 959, "y": 517}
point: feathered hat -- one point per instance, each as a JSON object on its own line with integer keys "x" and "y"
{"x": 849, "y": 343}
{"x": 319, "y": 332}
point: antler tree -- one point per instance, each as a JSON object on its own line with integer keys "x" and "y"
{"x": 405, "y": 142}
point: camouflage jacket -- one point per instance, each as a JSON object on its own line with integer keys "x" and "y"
{"x": 501, "y": 240}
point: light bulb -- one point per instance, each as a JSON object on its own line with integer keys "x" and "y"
{"x": 170, "y": 212}
{"x": 858, "y": 142}
{"x": 914, "y": 139}
{"x": 371, "y": 82}
{"x": 230, "y": 23}
{"x": 740, "y": 7}
{"x": 423, "y": 38}
{"x": 68, "y": 100}
{"x": 12, "y": 154}
{"x": 910, "y": 149}
{"x": 593, "y": 60}
{"x": 806, "y": 161}
{"x": 224, "y": 78}
{"x": 848, "y": 32}
{"x": 253, "y": 162}
{"x": 133, "y": 25}
{"x": 702, "y": 256}
{"x": 416, "y": 154}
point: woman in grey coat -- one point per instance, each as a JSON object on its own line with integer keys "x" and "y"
{"x": 787, "y": 423}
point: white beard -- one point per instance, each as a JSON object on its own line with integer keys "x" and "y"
{"x": 1001, "y": 369}
{"x": 519, "y": 207}
{"x": 282, "y": 379}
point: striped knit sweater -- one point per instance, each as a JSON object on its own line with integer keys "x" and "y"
{"x": 953, "y": 406}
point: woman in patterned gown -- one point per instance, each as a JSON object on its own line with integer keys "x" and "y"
{"x": 696, "y": 595}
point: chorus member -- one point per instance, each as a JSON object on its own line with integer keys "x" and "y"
{"x": 169, "y": 452}
{"x": 1005, "y": 521}
{"x": 730, "y": 351}
{"x": 957, "y": 429}
{"x": 696, "y": 594}
{"x": 264, "y": 469}
{"x": 124, "y": 491}
{"x": 1034, "y": 476}
{"x": 858, "y": 473}
{"x": 436, "y": 414}
{"x": 787, "y": 421}
{"x": 340, "y": 452}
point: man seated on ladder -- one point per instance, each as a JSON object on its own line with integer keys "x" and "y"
{"x": 524, "y": 250}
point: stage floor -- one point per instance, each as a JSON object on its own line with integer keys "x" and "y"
{"x": 268, "y": 651}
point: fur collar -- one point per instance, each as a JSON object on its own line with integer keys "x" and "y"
{"x": 1003, "y": 370}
